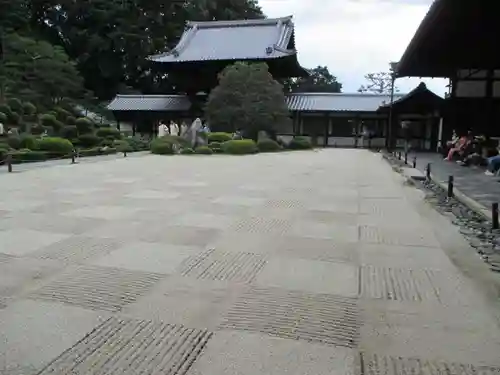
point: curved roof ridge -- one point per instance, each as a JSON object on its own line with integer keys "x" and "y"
{"x": 236, "y": 23}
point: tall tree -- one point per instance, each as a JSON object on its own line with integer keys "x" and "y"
{"x": 110, "y": 39}
{"x": 36, "y": 71}
{"x": 320, "y": 80}
{"x": 380, "y": 82}
{"x": 247, "y": 98}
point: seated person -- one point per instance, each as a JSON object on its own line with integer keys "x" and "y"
{"x": 471, "y": 154}
{"x": 493, "y": 164}
{"x": 459, "y": 146}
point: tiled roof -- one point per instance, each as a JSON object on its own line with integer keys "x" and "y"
{"x": 338, "y": 102}
{"x": 150, "y": 103}
{"x": 305, "y": 102}
{"x": 233, "y": 40}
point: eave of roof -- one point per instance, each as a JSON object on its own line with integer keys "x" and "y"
{"x": 257, "y": 39}
{"x": 420, "y": 90}
{"x": 421, "y": 36}
{"x": 337, "y": 102}
{"x": 150, "y": 103}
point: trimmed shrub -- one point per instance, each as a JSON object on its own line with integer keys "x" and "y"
{"x": 3, "y": 118}
{"x": 108, "y": 132}
{"x": 268, "y": 145}
{"x": 37, "y": 129}
{"x": 61, "y": 114}
{"x": 29, "y": 109}
{"x": 137, "y": 144}
{"x": 239, "y": 147}
{"x": 28, "y": 142}
{"x": 14, "y": 118}
{"x": 187, "y": 151}
{"x": 89, "y": 140}
{"x": 162, "y": 148}
{"x": 70, "y": 120}
{"x": 203, "y": 150}
{"x": 84, "y": 125}
{"x": 26, "y": 156}
{"x": 49, "y": 120}
{"x": 5, "y": 109}
{"x": 15, "y": 105}
{"x": 123, "y": 146}
{"x": 3, "y": 153}
{"x": 14, "y": 142}
{"x": 219, "y": 137}
{"x": 69, "y": 132}
{"x": 55, "y": 145}
{"x": 300, "y": 143}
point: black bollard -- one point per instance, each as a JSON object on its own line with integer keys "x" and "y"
{"x": 399, "y": 155}
{"x": 406, "y": 158}
{"x": 73, "y": 157}
{"x": 494, "y": 216}
{"x": 124, "y": 153}
{"x": 450, "y": 186}
{"x": 414, "y": 162}
{"x": 9, "y": 163}
{"x": 428, "y": 171}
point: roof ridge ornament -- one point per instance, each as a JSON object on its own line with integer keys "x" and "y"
{"x": 269, "y": 50}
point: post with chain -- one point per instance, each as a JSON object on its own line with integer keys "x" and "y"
{"x": 428, "y": 172}
{"x": 406, "y": 158}
{"x": 494, "y": 216}
{"x": 450, "y": 186}
{"x": 8, "y": 160}
{"x": 414, "y": 162}
{"x": 73, "y": 157}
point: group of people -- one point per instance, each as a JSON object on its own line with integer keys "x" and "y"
{"x": 467, "y": 149}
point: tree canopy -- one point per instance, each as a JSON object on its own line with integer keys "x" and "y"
{"x": 380, "y": 82}
{"x": 109, "y": 40}
{"x": 248, "y": 99}
{"x": 37, "y": 71}
{"x": 320, "y": 80}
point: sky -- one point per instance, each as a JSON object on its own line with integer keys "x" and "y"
{"x": 354, "y": 37}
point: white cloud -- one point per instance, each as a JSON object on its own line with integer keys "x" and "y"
{"x": 354, "y": 37}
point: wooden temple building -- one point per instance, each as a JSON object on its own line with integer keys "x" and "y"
{"x": 330, "y": 119}
{"x": 459, "y": 40}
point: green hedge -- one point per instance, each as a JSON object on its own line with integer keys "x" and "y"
{"x": 219, "y": 137}
{"x": 27, "y": 156}
{"x": 268, "y": 145}
{"x": 89, "y": 140}
{"x": 55, "y": 145}
{"x": 240, "y": 147}
{"x": 96, "y": 151}
{"x": 163, "y": 147}
{"x": 28, "y": 141}
{"x": 112, "y": 133}
{"x": 203, "y": 150}
{"x": 187, "y": 151}
{"x": 299, "y": 143}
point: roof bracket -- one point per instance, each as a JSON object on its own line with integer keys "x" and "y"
{"x": 269, "y": 50}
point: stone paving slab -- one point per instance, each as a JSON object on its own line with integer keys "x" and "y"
{"x": 250, "y": 354}
{"x": 318, "y": 263}
{"x": 34, "y": 333}
{"x": 310, "y": 275}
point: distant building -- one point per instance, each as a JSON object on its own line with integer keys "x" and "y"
{"x": 206, "y": 48}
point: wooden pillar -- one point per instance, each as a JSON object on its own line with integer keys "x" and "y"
{"x": 118, "y": 124}
{"x": 327, "y": 125}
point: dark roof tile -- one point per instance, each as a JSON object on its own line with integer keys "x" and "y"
{"x": 233, "y": 40}
{"x": 159, "y": 103}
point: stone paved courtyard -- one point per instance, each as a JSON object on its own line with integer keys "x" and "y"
{"x": 318, "y": 263}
